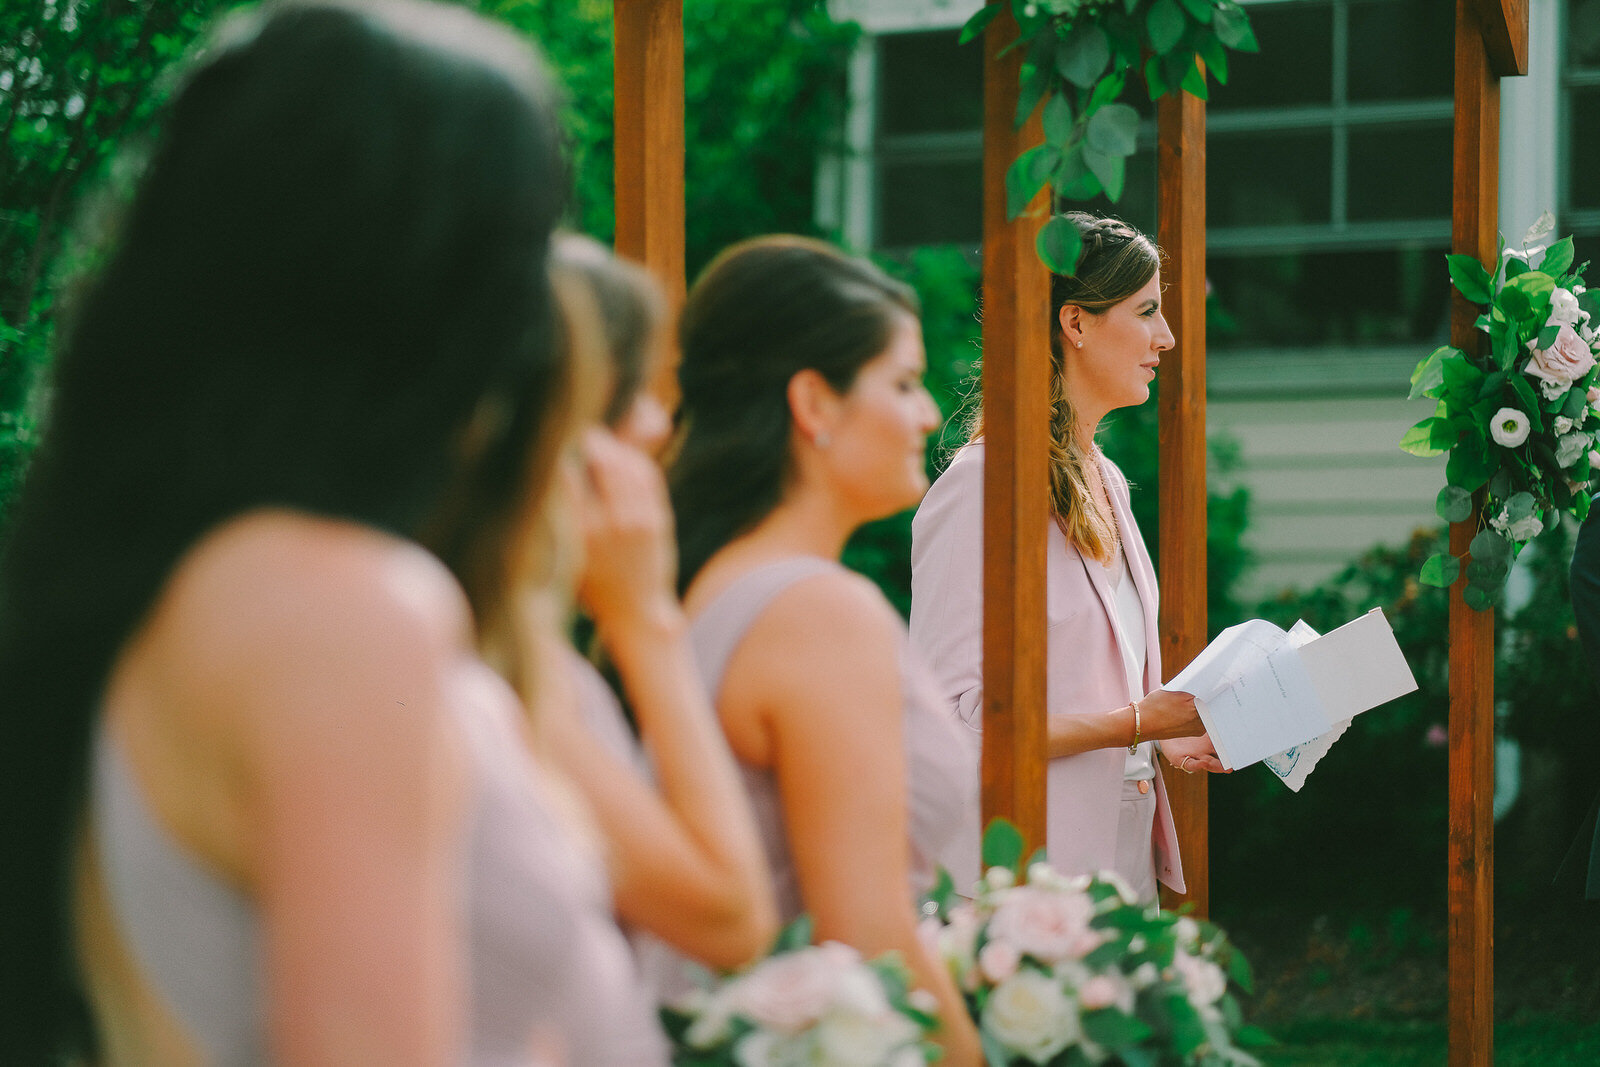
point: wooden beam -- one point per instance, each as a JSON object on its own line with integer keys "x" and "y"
{"x": 1471, "y": 851}
{"x": 1016, "y": 411}
{"x": 1181, "y": 173}
{"x": 1505, "y": 32}
{"x": 648, "y": 81}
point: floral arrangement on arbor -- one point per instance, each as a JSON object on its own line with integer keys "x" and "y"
{"x": 1517, "y": 415}
{"x": 806, "y": 1004}
{"x": 1078, "y": 54}
{"x": 1066, "y": 972}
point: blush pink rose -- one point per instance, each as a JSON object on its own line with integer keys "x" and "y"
{"x": 1048, "y": 925}
{"x": 998, "y": 961}
{"x": 788, "y": 992}
{"x": 1564, "y": 362}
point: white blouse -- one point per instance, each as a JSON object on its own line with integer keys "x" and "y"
{"x": 1128, "y": 622}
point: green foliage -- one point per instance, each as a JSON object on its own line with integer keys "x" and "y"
{"x": 81, "y": 81}
{"x": 1077, "y": 57}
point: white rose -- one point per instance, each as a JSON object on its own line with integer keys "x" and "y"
{"x": 1144, "y": 976}
{"x": 1032, "y": 1016}
{"x": 788, "y": 992}
{"x": 1564, "y": 309}
{"x": 1594, "y": 460}
{"x": 1509, "y": 427}
{"x": 1202, "y": 980}
{"x": 763, "y": 1048}
{"x": 999, "y": 960}
{"x": 1106, "y": 991}
{"x": 1187, "y": 930}
{"x": 1524, "y": 529}
{"x": 1570, "y": 447}
{"x": 1000, "y": 878}
{"x": 845, "y": 1039}
{"x": 1045, "y": 924}
{"x": 1563, "y": 425}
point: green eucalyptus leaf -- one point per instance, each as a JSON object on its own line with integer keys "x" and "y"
{"x": 1480, "y": 597}
{"x": 1027, "y": 175}
{"x": 1232, "y": 26}
{"x": 1194, "y": 81}
{"x": 1114, "y": 130}
{"x": 1073, "y": 180}
{"x": 1490, "y": 546}
{"x": 1519, "y": 507}
{"x": 979, "y": 21}
{"x": 1109, "y": 169}
{"x": 1487, "y": 571}
{"x": 1557, "y": 258}
{"x": 1035, "y": 83}
{"x": 1112, "y": 1029}
{"x": 1470, "y": 279}
{"x": 1210, "y": 49}
{"x": 1453, "y": 504}
{"x": 1059, "y": 244}
{"x": 1154, "y": 79}
{"x": 1002, "y": 844}
{"x": 1059, "y": 121}
{"x": 1577, "y": 400}
{"x": 1165, "y": 24}
{"x": 1428, "y": 378}
{"x": 1469, "y": 465}
{"x": 1083, "y": 56}
{"x": 1546, "y": 337}
{"x": 1440, "y": 570}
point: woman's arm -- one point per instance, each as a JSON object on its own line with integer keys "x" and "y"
{"x": 1162, "y": 715}
{"x": 686, "y": 858}
{"x": 821, "y": 671}
{"x": 318, "y": 670}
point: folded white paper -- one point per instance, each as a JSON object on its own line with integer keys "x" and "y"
{"x": 1286, "y": 697}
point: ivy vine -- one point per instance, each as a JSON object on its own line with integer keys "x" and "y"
{"x": 1078, "y": 55}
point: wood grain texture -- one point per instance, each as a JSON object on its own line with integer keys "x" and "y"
{"x": 1016, "y": 392}
{"x": 1471, "y": 847}
{"x": 648, "y": 81}
{"x": 1181, "y": 174}
{"x": 1505, "y": 33}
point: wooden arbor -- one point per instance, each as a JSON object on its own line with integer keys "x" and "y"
{"x": 1491, "y": 41}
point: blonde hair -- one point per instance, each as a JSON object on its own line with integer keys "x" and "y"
{"x": 1116, "y": 262}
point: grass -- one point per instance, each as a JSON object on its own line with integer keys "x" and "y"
{"x": 1518, "y": 1043}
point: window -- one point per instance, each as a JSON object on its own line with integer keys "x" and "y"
{"x": 1328, "y": 182}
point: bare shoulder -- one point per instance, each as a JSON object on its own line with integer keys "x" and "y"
{"x": 302, "y": 614}
{"x": 828, "y": 626}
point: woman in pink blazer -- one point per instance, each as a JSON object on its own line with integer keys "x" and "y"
{"x": 1107, "y": 807}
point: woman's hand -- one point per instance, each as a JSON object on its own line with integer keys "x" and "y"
{"x": 1164, "y": 715}
{"x": 629, "y": 557}
{"x": 1190, "y": 754}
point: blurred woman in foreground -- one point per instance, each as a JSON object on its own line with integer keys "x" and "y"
{"x": 267, "y": 803}
{"x": 804, "y": 417}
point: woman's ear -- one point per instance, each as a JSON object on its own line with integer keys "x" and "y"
{"x": 813, "y": 405}
{"x": 1071, "y": 319}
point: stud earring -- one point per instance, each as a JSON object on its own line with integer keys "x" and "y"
{"x": 1078, "y": 343}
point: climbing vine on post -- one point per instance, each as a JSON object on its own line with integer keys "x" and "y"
{"x": 1078, "y": 57}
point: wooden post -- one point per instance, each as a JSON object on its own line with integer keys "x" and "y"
{"x": 648, "y": 78}
{"x": 1181, "y": 172}
{"x": 1471, "y": 854}
{"x": 1016, "y": 479}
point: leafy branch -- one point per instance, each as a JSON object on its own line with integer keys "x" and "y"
{"x": 1078, "y": 55}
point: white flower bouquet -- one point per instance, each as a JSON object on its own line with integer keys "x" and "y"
{"x": 1518, "y": 413}
{"x": 1062, "y": 972}
{"x": 806, "y": 1004}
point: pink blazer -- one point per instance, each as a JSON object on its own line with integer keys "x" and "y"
{"x": 1084, "y": 665}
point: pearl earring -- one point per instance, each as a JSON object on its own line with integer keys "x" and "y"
{"x": 1078, "y": 343}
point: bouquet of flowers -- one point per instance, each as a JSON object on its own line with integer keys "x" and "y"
{"x": 1062, "y": 972}
{"x": 806, "y": 1004}
{"x": 1516, "y": 415}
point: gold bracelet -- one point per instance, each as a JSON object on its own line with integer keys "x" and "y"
{"x": 1133, "y": 748}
